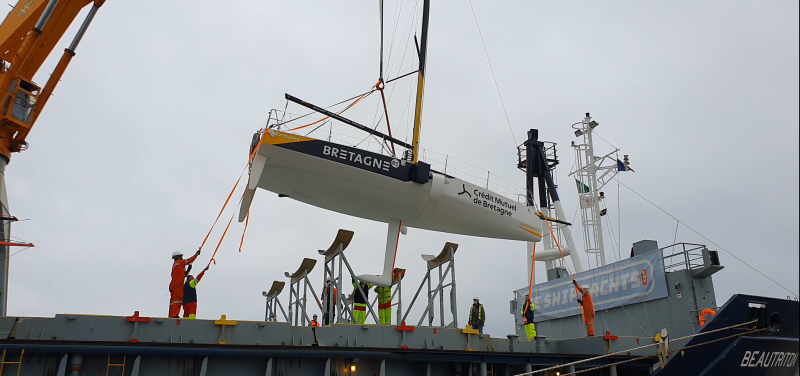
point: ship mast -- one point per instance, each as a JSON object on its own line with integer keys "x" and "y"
{"x": 423, "y": 51}
{"x": 588, "y": 167}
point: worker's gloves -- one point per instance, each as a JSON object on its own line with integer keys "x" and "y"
{"x": 197, "y": 253}
{"x": 574, "y": 282}
{"x": 525, "y": 321}
{"x": 580, "y": 301}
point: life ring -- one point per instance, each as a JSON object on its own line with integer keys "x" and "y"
{"x": 703, "y": 313}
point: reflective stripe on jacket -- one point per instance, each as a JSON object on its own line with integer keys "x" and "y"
{"x": 527, "y": 312}
{"x": 384, "y": 294}
{"x": 179, "y": 271}
{"x": 481, "y": 316}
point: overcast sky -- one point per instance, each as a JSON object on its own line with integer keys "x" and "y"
{"x": 151, "y": 124}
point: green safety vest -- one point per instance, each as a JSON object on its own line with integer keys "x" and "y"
{"x": 384, "y": 294}
{"x": 528, "y": 312}
{"x": 481, "y": 313}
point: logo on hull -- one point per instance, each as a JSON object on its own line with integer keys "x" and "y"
{"x": 464, "y": 190}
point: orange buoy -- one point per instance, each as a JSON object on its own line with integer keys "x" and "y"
{"x": 703, "y": 313}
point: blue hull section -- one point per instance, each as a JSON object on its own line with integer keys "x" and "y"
{"x": 771, "y": 351}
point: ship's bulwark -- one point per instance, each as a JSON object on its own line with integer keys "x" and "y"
{"x": 169, "y": 346}
{"x": 160, "y": 346}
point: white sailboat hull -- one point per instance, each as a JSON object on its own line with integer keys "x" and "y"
{"x": 359, "y": 183}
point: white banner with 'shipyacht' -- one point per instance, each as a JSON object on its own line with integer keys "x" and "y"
{"x": 630, "y": 281}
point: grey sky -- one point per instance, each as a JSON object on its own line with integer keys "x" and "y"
{"x": 150, "y": 127}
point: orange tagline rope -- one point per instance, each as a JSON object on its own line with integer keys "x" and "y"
{"x": 553, "y": 235}
{"x": 249, "y": 161}
{"x": 533, "y": 262}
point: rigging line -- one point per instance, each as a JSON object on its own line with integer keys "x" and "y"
{"x": 614, "y": 243}
{"x": 313, "y": 112}
{"x": 323, "y": 123}
{"x": 670, "y": 352}
{"x": 391, "y": 93}
{"x": 707, "y": 239}
{"x": 619, "y": 222}
{"x": 380, "y": 10}
{"x": 403, "y": 76}
{"x": 675, "y": 239}
{"x": 17, "y": 252}
{"x": 410, "y": 24}
{"x": 601, "y": 137}
{"x": 621, "y": 352}
{"x": 493, "y": 76}
{"x": 388, "y": 126}
{"x": 680, "y": 310}
{"x": 285, "y": 107}
{"x": 394, "y": 30}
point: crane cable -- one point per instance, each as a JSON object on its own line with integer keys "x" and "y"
{"x": 553, "y": 236}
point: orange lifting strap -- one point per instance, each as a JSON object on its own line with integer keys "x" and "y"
{"x": 703, "y": 313}
{"x": 249, "y": 160}
{"x": 533, "y": 262}
{"x": 553, "y": 235}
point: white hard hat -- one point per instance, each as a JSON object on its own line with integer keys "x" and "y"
{"x": 585, "y": 287}
{"x": 475, "y": 298}
{"x": 177, "y": 253}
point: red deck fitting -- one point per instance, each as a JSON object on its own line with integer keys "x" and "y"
{"x": 405, "y": 328}
{"x": 136, "y": 318}
{"x": 609, "y": 336}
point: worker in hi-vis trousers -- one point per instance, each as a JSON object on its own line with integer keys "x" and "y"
{"x": 176, "y": 284}
{"x": 585, "y": 300}
{"x": 527, "y": 318}
{"x": 360, "y": 302}
{"x": 190, "y": 295}
{"x": 384, "y": 304}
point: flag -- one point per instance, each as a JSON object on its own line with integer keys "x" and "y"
{"x": 582, "y": 188}
{"x": 622, "y": 167}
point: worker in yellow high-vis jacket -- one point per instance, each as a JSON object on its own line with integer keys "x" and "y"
{"x": 384, "y": 304}
{"x": 527, "y": 318}
{"x": 360, "y": 302}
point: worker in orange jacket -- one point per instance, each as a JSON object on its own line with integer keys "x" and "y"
{"x": 176, "y": 284}
{"x": 585, "y": 300}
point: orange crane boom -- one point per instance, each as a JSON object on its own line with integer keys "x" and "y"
{"x": 28, "y": 35}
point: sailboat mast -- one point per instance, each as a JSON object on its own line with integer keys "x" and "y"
{"x": 423, "y": 51}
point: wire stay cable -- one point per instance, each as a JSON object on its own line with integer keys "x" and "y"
{"x": 706, "y": 238}
{"x": 496, "y": 85}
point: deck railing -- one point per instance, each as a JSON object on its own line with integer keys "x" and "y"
{"x": 683, "y": 256}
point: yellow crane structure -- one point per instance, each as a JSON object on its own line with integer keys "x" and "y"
{"x": 27, "y": 37}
